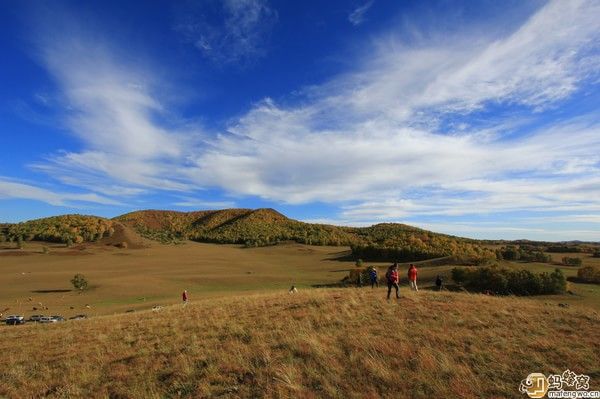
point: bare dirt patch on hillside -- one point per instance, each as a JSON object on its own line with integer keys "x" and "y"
{"x": 125, "y": 236}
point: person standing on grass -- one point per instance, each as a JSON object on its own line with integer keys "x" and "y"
{"x": 373, "y": 276}
{"x": 412, "y": 277}
{"x": 438, "y": 283}
{"x": 392, "y": 280}
{"x": 184, "y": 296}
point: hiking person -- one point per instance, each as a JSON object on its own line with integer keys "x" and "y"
{"x": 392, "y": 280}
{"x": 412, "y": 277}
{"x": 438, "y": 282}
{"x": 293, "y": 290}
{"x": 373, "y": 276}
{"x": 184, "y": 296}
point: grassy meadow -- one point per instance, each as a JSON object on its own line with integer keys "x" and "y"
{"x": 128, "y": 279}
{"x": 322, "y": 343}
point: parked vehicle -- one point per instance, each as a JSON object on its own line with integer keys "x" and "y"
{"x": 36, "y": 317}
{"x": 47, "y": 319}
{"x": 58, "y": 318}
{"x": 78, "y": 317}
{"x": 15, "y": 320}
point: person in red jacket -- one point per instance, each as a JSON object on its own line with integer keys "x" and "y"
{"x": 412, "y": 277}
{"x": 392, "y": 279}
{"x": 184, "y": 296}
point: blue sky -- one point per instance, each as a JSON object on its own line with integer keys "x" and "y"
{"x": 479, "y": 119}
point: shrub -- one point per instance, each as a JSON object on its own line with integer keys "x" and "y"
{"x": 596, "y": 254}
{"x": 357, "y": 276}
{"x": 571, "y": 261}
{"x": 459, "y": 275}
{"x": 45, "y": 250}
{"x": 589, "y": 274}
{"x": 69, "y": 242}
{"x": 79, "y": 282}
{"x": 359, "y": 263}
{"x": 505, "y": 281}
{"x": 20, "y": 242}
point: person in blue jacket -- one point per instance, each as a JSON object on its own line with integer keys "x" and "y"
{"x": 373, "y": 277}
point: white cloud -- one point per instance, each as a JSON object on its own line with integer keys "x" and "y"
{"x": 357, "y": 16}
{"x": 10, "y": 189}
{"x": 241, "y": 36}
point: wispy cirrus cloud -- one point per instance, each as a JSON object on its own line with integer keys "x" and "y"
{"x": 236, "y": 33}
{"x": 357, "y": 16}
{"x": 130, "y": 142}
{"x": 11, "y": 189}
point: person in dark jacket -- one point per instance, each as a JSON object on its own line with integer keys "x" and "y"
{"x": 392, "y": 280}
{"x": 438, "y": 283}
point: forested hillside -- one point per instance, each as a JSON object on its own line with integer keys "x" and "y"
{"x": 65, "y": 229}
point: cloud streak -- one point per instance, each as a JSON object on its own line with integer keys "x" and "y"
{"x": 238, "y": 37}
{"x": 10, "y": 189}
{"x": 357, "y": 16}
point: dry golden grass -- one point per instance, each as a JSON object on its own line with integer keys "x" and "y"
{"x": 337, "y": 343}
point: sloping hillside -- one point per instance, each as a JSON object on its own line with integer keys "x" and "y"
{"x": 315, "y": 344}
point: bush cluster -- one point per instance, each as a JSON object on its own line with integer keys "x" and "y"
{"x": 502, "y": 281}
{"x": 523, "y": 253}
{"x": 563, "y": 248}
{"x": 571, "y": 261}
{"x": 589, "y": 274}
